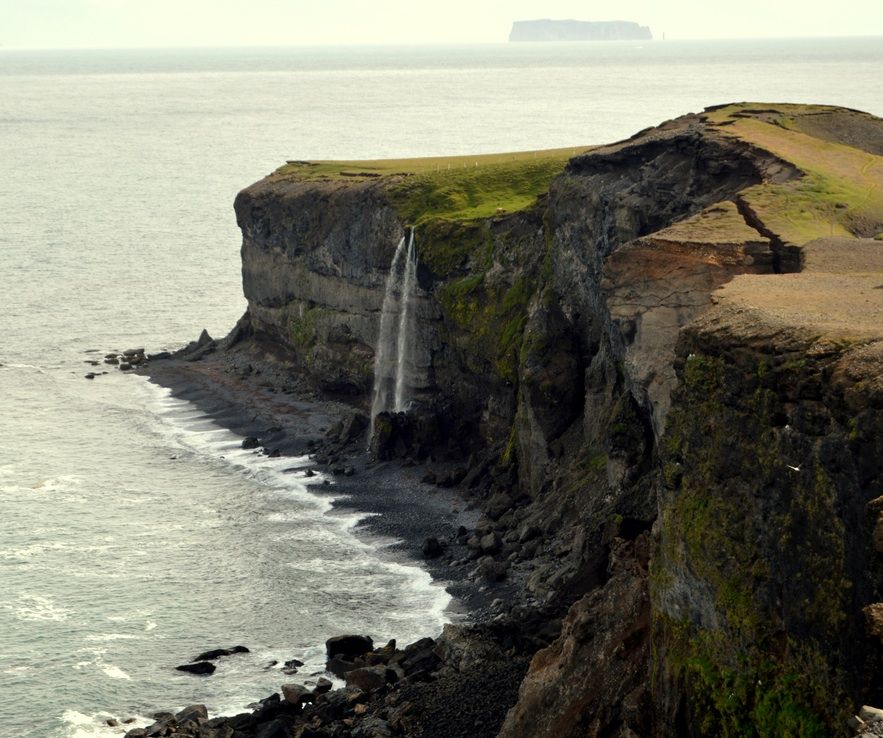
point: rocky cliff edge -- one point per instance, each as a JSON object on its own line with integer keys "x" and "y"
{"x": 659, "y": 364}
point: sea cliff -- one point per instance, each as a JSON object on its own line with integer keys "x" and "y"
{"x": 655, "y": 368}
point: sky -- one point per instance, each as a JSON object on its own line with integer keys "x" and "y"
{"x": 163, "y": 23}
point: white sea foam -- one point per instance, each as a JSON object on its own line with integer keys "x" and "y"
{"x": 29, "y": 552}
{"x": 106, "y": 637}
{"x": 16, "y": 670}
{"x": 62, "y": 482}
{"x": 177, "y": 418}
{"x": 79, "y": 725}
{"x": 115, "y": 672}
{"x": 38, "y": 608}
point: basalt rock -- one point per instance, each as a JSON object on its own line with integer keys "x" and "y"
{"x": 203, "y": 668}
{"x": 219, "y": 652}
{"x": 348, "y": 647}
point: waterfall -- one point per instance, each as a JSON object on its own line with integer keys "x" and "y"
{"x": 406, "y": 327}
{"x": 393, "y": 356}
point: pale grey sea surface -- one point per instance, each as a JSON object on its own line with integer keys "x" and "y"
{"x": 133, "y": 533}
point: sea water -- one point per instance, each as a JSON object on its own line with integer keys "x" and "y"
{"x": 133, "y": 532}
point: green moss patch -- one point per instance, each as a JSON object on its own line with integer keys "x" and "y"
{"x": 733, "y": 694}
{"x": 491, "y": 319}
{"x": 762, "y": 530}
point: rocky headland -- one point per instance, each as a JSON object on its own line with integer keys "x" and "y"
{"x": 644, "y": 436}
{"x": 574, "y": 30}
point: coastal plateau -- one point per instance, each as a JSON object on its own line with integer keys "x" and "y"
{"x": 653, "y": 370}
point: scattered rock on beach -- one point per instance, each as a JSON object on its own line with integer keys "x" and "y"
{"x": 367, "y": 678}
{"x": 348, "y": 647}
{"x": 491, "y": 543}
{"x": 432, "y": 549}
{"x": 193, "y": 713}
{"x": 297, "y": 694}
{"x": 250, "y": 442}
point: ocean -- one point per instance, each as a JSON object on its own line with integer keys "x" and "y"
{"x": 134, "y": 533}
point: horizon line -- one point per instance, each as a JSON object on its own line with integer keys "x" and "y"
{"x": 429, "y": 44}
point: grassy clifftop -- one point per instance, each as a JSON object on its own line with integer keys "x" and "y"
{"x": 449, "y": 187}
{"x": 839, "y": 151}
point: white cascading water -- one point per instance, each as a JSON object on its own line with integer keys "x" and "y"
{"x": 392, "y": 358}
{"x": 406, "y": 328}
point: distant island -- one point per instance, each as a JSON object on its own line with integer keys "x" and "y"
{"x": 574, "y": 30}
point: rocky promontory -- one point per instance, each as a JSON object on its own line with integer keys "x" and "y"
{"x": 574, "y": 30}
{"x": 653, "y": 369}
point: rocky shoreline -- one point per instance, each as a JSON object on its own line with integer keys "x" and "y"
{"x": 424, "y": 504}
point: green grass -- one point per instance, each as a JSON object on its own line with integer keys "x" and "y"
{"x": 451, "y": 187}
{"x": 842, "y": 192}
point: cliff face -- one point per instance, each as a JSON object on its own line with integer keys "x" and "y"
{"x": 684, "y": 469}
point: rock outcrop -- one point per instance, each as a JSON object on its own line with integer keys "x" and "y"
{"x": 660, "y": 375}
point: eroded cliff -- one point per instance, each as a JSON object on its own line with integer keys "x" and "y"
{"x": 662, "y": 374}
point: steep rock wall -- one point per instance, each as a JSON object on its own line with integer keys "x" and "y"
{"x": 552, "y": 347}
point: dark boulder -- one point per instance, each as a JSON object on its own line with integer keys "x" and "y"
{"x": 352, "y": 427}
{"x": 339, "y": 666}
{"x": 419, "y": 656}
{"x": 203, "y": 668}
{"x": 279, "y": 728}
{"x": 367, "y": 678}
{"x": 349, "y": 647}
{"x": 410, "y": 434}
{"x": 491, "y": 569}
{"x": 297, "y": 694}
{"x": 250, "y": 442}
{"x": 193, "y": 713}
{"x": 372, "y": 727}
{"x": 497, "y": 505}
{"x": 218, "y": 652}
{"x": 491, "y": 543}
{"x": 432, "y": 548}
